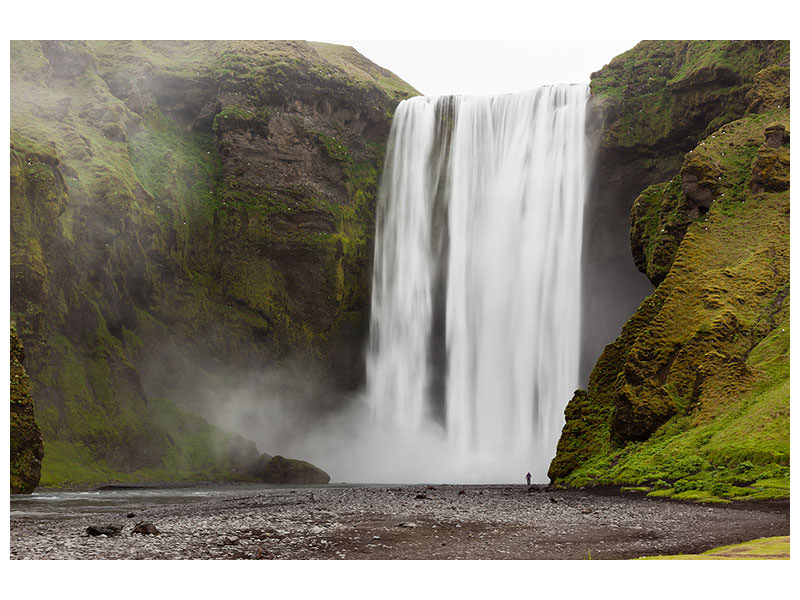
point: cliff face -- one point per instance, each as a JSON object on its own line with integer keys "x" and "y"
{"x": 27, "y": 448}
{"x": 692, "y": 399}
{"x": 649, "y": 107}
{"x": 185, "y": 212}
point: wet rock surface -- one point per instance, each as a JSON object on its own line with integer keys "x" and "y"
{"x": 483, "y": 522}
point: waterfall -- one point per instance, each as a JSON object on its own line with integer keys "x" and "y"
{"x": 474, "y": 333}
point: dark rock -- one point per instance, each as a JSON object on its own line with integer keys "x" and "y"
{"x": 264, "y": 554}
{"x": 699, "y": 177}
{"x": 130, "y": 515}
{"x": 146, "y": 529}
{"x": 286, "y": 470}
{"x": 421, "y": 496}
{"x": 108, "y": 530}
{"x": 776, "y": 136}
{"x": 770, "y": 171}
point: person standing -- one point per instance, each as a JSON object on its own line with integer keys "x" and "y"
{"x": 528, "y": 479}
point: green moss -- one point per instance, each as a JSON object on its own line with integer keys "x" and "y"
{"x": 68, "y": 463}
{"x": 661, "y": 87}
{"x": 25, "y": 450}
{"x": 763, "y": 548}
{"x": 359, "y": 69}
{"x": 699, "y": 377}
{"x": 197, "y": 451}
{"x": 699, "y": 496}
{"x": 335, "y": 149}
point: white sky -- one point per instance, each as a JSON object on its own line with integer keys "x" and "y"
{"x": 489, "y": 67}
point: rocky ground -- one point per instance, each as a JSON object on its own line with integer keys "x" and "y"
{"x": 410, "y": 522}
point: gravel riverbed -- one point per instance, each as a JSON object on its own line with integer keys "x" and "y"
{"x": 408, "y": 522}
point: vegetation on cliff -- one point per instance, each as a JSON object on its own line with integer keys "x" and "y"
{"x": 183, "y": 211}
{"x": 692, "y": 399}
{"x": 27, "y": 449}
{"x": 649, "y": 107}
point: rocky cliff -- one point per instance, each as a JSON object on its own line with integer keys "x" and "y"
{"x": 182, "y": 214}
{"x": 27, "y": 448}
{"x": 649, "y": 107}
{"x": 692, "y": 399}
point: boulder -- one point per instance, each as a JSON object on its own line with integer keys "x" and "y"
{"x": 776, "y": 135}
{"x": 770, "y": 171}
{"x": 109, "y": 530}
{"x": 287, "y": 470}
{"x": 699, "y": 177}
{"x": 146, "y": 529}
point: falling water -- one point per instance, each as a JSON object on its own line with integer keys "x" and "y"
{"x": 474, "y": 338}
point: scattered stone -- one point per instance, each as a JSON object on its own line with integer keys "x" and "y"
{"x": 263, "y": 554}
{"x": 421, "y": 496}
{"x": 461, "y": 492}
{"x": 107, "y": 530}
{"x": 316, "y": 530}
{"x": 146, "y": 529}
{"x": 482, "y": 526}
{"x": 553, "y": 500}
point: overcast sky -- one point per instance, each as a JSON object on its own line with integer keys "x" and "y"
{"x": 489, "y": 67}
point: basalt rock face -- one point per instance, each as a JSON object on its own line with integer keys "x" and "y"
{"x": 649, "y": 107}
{"x": 692, "y": 399}
{"x": 184, "y": 213}
{"x": 27, "y": 448}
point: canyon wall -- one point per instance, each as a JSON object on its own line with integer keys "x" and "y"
{"x": 183, "y": 215}
{"x": 692, "y": 398}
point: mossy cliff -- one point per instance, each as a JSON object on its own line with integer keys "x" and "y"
{"x": 186, "y": 211}
{"x": 27, "y": 448}
{"x": 692, "y": 399}
{"x": 649, "y": 107}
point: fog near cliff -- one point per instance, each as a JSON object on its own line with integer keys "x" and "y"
{"x": 288, "y": 408}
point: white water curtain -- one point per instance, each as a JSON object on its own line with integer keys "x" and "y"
{"x": 483, "y": 195}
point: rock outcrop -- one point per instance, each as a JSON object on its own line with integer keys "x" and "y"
{"x": 692, "y": 397}
{"x": 649, "y": 107}
{"x": 27, "y": 448}
{"x": 184, "y": 214}
{"x": 286, "y": 470}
